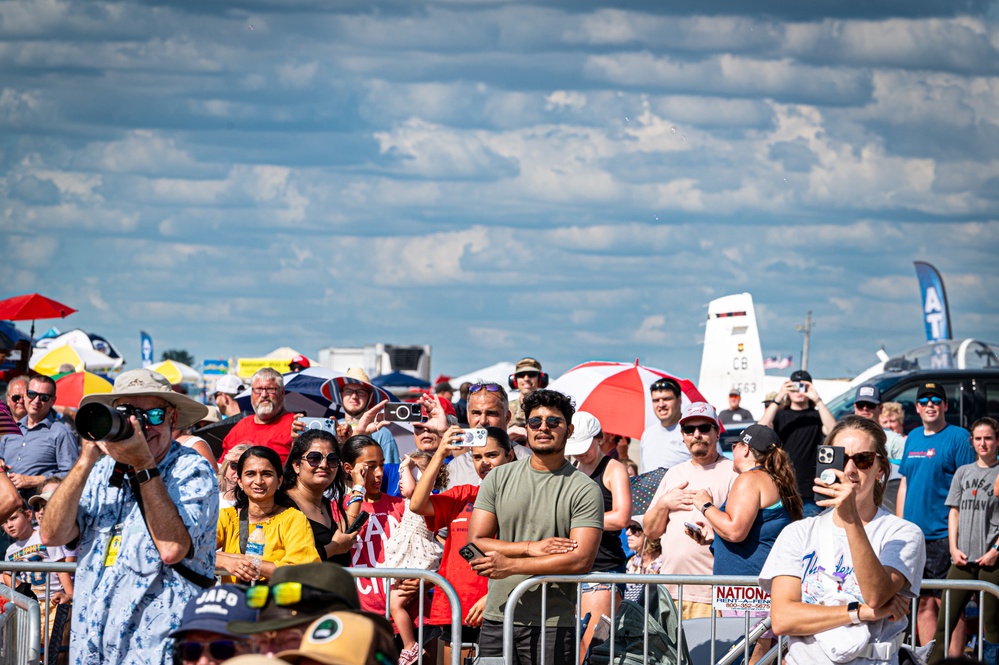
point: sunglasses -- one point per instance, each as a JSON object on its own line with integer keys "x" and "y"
{"x": 488, "y": 387}
{"x": 864, "y": 461}
{"x": 153, "y": 416}
{"x": 922, "y": 401}
{"x": 703, "y": 428}
{"x": 16, "y": 399}
{"x": 634, "y": 529}
{"x": 315, "y": 458}
{"x": 45, "y": 397}
{"x": 217, "y": 649}
{"x": 521, "y": 375}
{"x": 866, "y": 406}
{"x": 289, "y": 593}
{"x": 553, "y": 422}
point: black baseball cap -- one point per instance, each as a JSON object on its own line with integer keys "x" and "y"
{"x": 760, "y": 438}
{"x": 801, "y": 375}
{"x": 213, "y": 609}
{"x": 930, "y": 389}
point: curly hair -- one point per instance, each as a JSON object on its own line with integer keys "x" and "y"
{"x": 777, "y": 464}
{"x": 551, "y": 399}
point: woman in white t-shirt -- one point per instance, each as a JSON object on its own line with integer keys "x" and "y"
{"x": 841, "y": 582}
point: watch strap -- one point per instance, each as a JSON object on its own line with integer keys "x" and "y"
{"x": 705, "y": 507}
{"x": 853, "y": 609}
{"x": 145, "y": 475}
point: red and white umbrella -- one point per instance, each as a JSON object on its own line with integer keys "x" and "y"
{"x": 618, "y": 394}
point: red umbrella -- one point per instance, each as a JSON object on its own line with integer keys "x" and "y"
{"x": 618, "y": 394}
{"x": 32, "y": 306}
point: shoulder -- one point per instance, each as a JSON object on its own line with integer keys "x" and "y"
{"x": 957, "y": 434}
{"x": 460, "y": 492}
{"x": 293, "y": 516}
{"x": 892, "y": 526}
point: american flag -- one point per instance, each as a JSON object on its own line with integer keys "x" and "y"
{"x": 773, "y": 362}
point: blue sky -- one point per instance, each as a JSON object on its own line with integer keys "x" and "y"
{"x": 569, "y": 180}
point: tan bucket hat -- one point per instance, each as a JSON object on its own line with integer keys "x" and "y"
{"x": 147, "y": 383}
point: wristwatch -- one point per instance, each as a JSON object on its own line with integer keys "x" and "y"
{"x": 705, "y": 507}
{"x": 996, "y": 547}
{"x": 146, "y": 475}
{"x": 853, "y": 609}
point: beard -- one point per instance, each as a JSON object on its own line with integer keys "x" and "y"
{"x": 266, "y": 409}
{"x": 547, "y": 448}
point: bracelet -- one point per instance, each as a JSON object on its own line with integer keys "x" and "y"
{"x": 356, "y": 499}
{"x": 357, "y": 489}
{"x": 996, "y": 547}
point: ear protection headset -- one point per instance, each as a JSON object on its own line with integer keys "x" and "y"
{"x": 542, "y": 380}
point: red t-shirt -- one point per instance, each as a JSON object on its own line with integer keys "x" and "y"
{"x": 453, "y": 509}
{"x": 369, "y": 548}
{"x": 275, "y": 435}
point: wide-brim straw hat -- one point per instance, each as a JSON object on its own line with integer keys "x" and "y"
{"x": 146, "y": 383}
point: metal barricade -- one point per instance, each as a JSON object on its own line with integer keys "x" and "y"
{"x": 740, "y": 649}
{"x": 40, "y": 567}
{"x": 20, "y": 629}
{"x": 385, "y": 574}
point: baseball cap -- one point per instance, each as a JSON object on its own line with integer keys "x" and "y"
{"x": 39, "y": 498}
{"x": 699, "y": 410}
{"x": 326, "y": 577}
{"x": 585, "y": 427}
{"x": 801, "y": 375}
{"x": 300, "y": 360}
{"x": 213, "y": 609}
{"x": 735, "y": 391}
{"x": 760, "y": 437}
{"x": 344, "y": 638}
{"x": 527, "y": 365}
{"x": 868, "y": 393}
{"x": 443, "y": 386}
{"x": 230, "y": 384}
{"x": 930, "y": 389}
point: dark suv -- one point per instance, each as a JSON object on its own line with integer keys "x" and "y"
{"x": 968, "y": 370}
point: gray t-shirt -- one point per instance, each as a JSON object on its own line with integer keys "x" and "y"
{"x": 899, "y": 544}
{"x": 978, "y": 521}
{"x": 532, "y": 505}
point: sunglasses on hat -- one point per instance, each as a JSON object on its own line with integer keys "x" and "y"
{"x": 289, "y": 593}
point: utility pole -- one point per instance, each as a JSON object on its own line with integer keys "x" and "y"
{"x": 807, "y": 329}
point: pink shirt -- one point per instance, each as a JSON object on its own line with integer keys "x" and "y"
{"x": 681, "y": 553}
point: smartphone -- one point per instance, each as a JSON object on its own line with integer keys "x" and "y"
{"x": 470, "y": 551}
{"x": 692, "y": 527}
{"x": 403, "y": 413}
{"x": 802, "y": 387}
{"x": 356, "y": 525}
{"x": 327, "y": 424}
{"x": 474, "y": 437}
{"x": 829, "y": 458}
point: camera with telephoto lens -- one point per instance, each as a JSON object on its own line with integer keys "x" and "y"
{"x": 100, "y": 422}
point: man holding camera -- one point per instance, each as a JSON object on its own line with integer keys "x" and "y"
{"x": 44, "y": 447}
{"x": 270, "y": 425}
{"x": 802, "y": 428}
{"x": 142, "y": 511}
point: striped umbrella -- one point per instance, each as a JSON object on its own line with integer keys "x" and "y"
{"x": 618, "y": 394}
{"x": 71, "y": 388}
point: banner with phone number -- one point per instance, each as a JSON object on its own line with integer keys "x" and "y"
{"x": 245, "y": 367}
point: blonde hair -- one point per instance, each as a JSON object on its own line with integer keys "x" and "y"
{"x": 888, "y": 408}
{"x": 235, "y": 452}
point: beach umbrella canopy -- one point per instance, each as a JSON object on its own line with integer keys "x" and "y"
{"x": 618, "y": 394}
{"x": 71, "y": 388}
{"x": 33, "y": 306}
{"x": 48, "y": 361}
{"x": 176, "y": 372}
{"x": 399, "y": 380}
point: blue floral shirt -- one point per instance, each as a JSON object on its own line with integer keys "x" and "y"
{"x": 125, "y": 604}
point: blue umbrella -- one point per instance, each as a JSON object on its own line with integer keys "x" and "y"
{"x": 304, "y": 393}
{"x": 399, "y": 380}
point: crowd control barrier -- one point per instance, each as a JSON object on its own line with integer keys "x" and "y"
{"x": 20, "y": 628}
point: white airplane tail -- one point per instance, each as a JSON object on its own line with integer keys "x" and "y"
{"x": 732, "y": 355}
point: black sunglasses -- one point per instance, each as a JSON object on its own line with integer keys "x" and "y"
{"x": 863, "y": 460}
{"x": 866, "y": 406}
{"x": 488, "y": 387}
{"x": 16, "y": 399}
{"x": 554, "y": 422}
{"x": 703, "y": 428}
{"x": 923, "y": 401}
{"x": 218, "y": 649}
{"x": 634, "y": 529}
{"x": 315, "y": 458}
{"x": 45, "y": 397}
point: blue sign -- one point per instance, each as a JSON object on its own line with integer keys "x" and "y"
{"x": 147, "y": 348}
{"x": 218, "y": 366}
{"x": 936, "y": 315}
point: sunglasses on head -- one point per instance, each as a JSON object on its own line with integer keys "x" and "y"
{"x": 703, "y": 428}
{"x": 488, "y": 387}
{"x": 217, "y": 649}
{"x": 553, "y": 422}
{"x": 45, "y": 397}
{"x": 153, "y": 416}
{"x": 315, "y": 458}
{"x": 923, "y": 401}
{"x": 289, "y": 593}
{"x": 863, "y": 461}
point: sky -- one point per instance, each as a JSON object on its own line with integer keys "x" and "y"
{"x": 565, "y": 180}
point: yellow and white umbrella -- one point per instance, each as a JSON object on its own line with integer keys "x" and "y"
{"x": 48, "y": 361}
{"x": 176, "y": 373}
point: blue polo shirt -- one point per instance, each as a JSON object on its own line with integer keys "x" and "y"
{"x": 929, "y": 464}
{"x": 48, "y": 448}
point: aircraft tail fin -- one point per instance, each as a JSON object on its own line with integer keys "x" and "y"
{"x": 732, "y": 355}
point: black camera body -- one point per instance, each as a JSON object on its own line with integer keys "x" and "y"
{"x": 100, "y": 422}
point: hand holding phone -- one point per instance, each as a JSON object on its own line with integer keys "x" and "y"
{"x": 470, "y": 552}
{"x": 692, "y": 527}
{"x": 828, "y": 459}
{"x": 358, "y": 522}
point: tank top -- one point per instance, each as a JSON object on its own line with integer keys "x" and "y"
{"x": 747, "y": 557}
{"x": 610, "y": 554}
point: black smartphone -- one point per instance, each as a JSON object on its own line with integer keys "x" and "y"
{"x": 829, "y": 458}
{"x": 470, "y": 551}
{"x": 362, "y": 517}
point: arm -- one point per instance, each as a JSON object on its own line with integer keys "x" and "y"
{"x": 576, "y": 561}
{"x": 959, "y": 557}
{"x": 10, "y": 500}
{"x": 483, "y": 525}
{"x": 420, "y": 502}
{"x": 59, "y": 526}
{"x": 297, "y": 541}
{"x": 828, "y": 421}
{"x": 168, "y": 531}
{"x": 790, "y": 616}
{"x": 771, "y": 412}
{"x": 66, "y": 595}
{"x": 407, "y": 481}
{"x": 616, "y": 480}
{"x": 657, "y": 516}
{"x": 23, "y": 482}
{"x": 900, "y": 499}
{"x": 741, "y": 508}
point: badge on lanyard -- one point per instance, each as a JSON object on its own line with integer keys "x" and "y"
{"x": 113, "y": 546}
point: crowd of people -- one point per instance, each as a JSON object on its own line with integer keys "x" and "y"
{"x": 546, "y": 491}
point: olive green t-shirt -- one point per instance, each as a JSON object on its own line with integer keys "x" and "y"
{"x": 532, "y": 505}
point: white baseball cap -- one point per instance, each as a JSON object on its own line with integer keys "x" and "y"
{"x": 585, "y": 427}
{"x": 230, "y": 384}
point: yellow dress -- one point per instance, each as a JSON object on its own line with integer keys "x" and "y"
{"x": 289, "y": 538}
